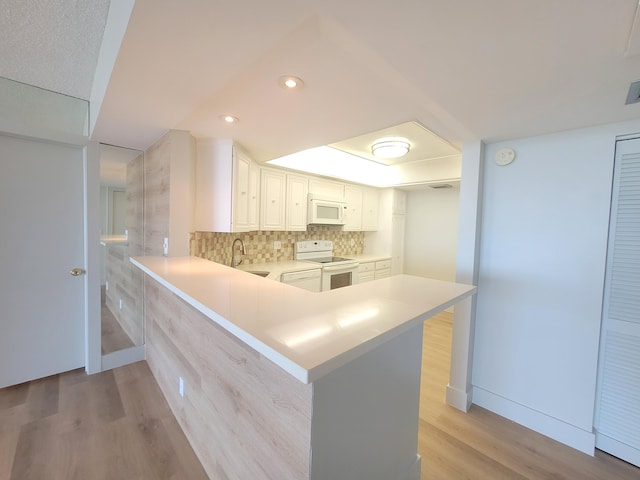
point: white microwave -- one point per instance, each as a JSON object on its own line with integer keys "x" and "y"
{"x": 325, "y": 211}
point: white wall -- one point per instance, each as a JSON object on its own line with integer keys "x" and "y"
{"x": 542, "y": 258}
{"x": 431, "y": 233}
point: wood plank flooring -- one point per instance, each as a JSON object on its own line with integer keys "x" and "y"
{"x": 116, "y": 425}
{"x": 113, "y": 425}
{"x": 481, "y": 445}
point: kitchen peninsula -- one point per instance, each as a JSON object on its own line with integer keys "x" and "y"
{"x": 271, "y": 381}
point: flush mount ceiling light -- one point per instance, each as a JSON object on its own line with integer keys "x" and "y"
{"x": 289, "y": 82}
{"x": 229, "y": 119}
{"x": 391, "y": 147}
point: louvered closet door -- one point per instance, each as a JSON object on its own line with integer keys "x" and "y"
{"x": 618, "y": 397}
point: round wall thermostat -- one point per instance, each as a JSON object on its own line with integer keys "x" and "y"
{"x": 505, "y": 156}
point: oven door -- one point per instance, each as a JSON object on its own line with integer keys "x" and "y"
{"x": 338, "y": 276}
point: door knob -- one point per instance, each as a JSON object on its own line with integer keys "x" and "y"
{"x": 77, "y": 271}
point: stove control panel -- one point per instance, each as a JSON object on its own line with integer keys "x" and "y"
{"x": 311, "y": 246}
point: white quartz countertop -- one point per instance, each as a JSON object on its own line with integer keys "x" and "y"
{"x": 276, "y": 269}
{"x": 364, "y": 258}
{"x": 307, "y": 334}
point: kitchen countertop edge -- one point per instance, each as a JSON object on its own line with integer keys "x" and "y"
{"x": 400, "y": 310}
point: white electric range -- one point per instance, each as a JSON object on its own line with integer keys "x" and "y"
{"x": 336, "y": 271}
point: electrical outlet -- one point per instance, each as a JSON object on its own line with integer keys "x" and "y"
{"x": 277, "y": 245}
{"x": 165, "y": 246}
{"x": 181, "y": 386}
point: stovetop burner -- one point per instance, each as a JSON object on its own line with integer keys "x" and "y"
{"x": 328, "y": 259}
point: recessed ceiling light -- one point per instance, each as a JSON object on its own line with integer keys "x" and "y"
{"x": 289, "y": 82}
{"x": 390, "y": 147}
{"x": 229, "y": 119}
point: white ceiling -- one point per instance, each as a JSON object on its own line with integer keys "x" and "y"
{"x": 466, "y": 70}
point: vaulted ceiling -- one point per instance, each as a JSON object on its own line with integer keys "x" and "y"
{"x": 466, "y": 70}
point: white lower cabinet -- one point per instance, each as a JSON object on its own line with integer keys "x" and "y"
{"x": 368, "y": 271}
{"x": 383, "y": 269}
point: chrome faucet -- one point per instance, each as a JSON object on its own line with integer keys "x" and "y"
{"x": 233, "y": 249}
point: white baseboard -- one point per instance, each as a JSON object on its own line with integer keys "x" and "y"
{"x": 416, "y": 468}
{"x": 619, "y": 449}
{"x": 459, "y": 398}
{"x": 539, "y": 422}
{"x": 123, "y": 357}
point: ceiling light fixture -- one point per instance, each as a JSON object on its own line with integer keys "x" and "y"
{"x": 289, "y": 82}
{"x": 229, "y": 119}
{"x": 391, "y": 147}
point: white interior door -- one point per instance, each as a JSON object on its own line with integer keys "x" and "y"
{"x": 42, "y": 223}
{"x": 617, "y": 419}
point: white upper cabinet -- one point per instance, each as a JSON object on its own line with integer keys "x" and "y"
{"x": 253, "y": 218}
{"x": 353, "y": 197}
{"x": 326, "y": 188}
{"x": 226, "y": 187}
{"x": 296, "y": 205}
{"x": 272, "y": 204}
{"x": 370, "y": 202}
{"x": 362, "y": 208}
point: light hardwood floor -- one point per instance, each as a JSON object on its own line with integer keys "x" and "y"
{"x": 116, "y": 425}
{"x": 480, "y": 445}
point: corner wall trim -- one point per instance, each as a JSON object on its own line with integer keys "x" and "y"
{"x": 459, "y": 398}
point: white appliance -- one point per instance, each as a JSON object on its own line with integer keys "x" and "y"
{"x": 325, "y": 211}
{"x": 337, "y": 272}
{"x": 308, "y": 279}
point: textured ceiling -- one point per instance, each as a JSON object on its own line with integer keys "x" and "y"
{"x": 52, "y": 44}
{"x": 466, "y": 70}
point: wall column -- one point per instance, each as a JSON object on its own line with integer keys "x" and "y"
{"x": 459, "y": 390}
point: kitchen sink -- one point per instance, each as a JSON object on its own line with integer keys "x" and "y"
{"x": 259, "y": 273}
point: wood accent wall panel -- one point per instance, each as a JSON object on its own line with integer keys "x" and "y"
{"x": 157, "y": 161}
{"x": 135, "y": 205}
{"x": 243, "y": 415}
{"x": 125, "y": 282}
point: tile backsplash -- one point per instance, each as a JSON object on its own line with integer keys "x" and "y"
{"x": 216, "y": 246}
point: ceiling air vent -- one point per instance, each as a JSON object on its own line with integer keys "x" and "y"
{"x": 634, "y": 93}
{"x": 440, "y": 185}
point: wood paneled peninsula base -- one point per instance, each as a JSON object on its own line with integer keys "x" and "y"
{"x": 278, "y": 382}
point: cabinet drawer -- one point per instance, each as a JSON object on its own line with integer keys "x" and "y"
{"x": 382, "y": 273}
{"x": 382, "y": 264}
{"x": 366, "y": 267}
{"x": 366, "y": 277}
